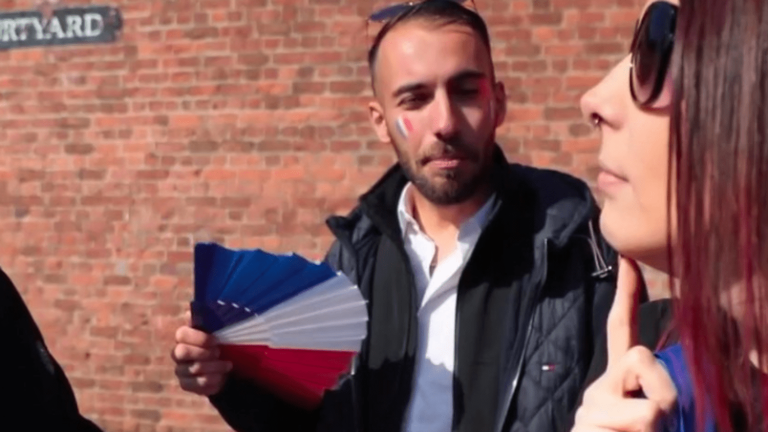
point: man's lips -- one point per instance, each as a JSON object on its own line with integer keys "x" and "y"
{"x": 445, "y": 162}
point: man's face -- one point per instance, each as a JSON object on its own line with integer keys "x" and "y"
{"x": 438, "y": 106}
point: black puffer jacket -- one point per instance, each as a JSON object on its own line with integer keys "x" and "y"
{"x": 532, "y": 304}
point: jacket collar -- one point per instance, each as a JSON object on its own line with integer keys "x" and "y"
{"x": 380, "y": 203}
{"x": 560, "y": 203}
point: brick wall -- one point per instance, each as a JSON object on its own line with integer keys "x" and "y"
{"x": 240, "y": 121}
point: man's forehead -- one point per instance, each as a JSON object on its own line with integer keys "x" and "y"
{"x": 420, "y": 49}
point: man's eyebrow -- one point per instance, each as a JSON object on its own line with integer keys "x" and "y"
{"x": 408, "y": 88}
{"x": 467, "y": 75}
{"x": 464, "y": 75}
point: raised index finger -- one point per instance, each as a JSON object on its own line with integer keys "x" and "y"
{"x": 622, "y": 318}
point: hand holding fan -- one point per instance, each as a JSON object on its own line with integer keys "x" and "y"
{"x": 290, "y": 325}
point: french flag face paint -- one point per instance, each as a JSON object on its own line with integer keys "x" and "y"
{"x": 404, "y": 126}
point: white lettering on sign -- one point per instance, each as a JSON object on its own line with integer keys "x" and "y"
{"x": 8, "y": 30}
{"x": 90, "y": 20}
{"x": 86, "y": 25}
{"x": 54, "y": 28}
{"x": 74, "y": 26}
{"x": 23, "y": 27}
{"x": 38, "y": 27}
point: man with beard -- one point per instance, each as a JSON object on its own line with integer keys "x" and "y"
{"x": 486, "y": 283}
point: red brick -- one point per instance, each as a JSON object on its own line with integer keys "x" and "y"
{"x": 556, "y": 114}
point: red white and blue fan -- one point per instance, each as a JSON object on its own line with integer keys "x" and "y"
{"x": 290, "y": 325}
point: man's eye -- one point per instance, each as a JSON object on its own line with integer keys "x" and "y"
{"x": 468, "y": 91}
{"x": 414, "y": 100}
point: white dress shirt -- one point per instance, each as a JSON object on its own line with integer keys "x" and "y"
{"x": 431, "y": 405}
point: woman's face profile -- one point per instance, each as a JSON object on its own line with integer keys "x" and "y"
{"x": 633, "y": 157}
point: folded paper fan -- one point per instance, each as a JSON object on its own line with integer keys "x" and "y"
{"x": 290, "y": 325}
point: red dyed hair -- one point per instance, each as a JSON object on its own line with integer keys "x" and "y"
{"x": 719, "y": 158}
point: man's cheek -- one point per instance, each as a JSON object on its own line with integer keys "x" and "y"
{"x": 404, "y": 126}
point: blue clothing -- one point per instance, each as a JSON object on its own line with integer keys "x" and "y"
{"x": 683, "y": 418}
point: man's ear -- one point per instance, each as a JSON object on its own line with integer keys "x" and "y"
{"x": 500, "y": 103}
{"x": 378, "y": 121}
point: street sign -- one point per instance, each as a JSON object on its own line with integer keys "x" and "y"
{"x": 63, "y": 26}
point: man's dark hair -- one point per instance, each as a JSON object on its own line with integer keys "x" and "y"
{"x": 440, "y": 12}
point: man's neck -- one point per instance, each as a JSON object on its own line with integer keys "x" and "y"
{"x": 444, "y": 221}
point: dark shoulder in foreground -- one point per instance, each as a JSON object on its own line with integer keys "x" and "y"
{"x": 40, "y": 395}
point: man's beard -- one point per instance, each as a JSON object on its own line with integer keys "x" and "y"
{"x": 454, "y": 187}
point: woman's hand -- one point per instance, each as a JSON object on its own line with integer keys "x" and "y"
{"x": 608, "y": 404}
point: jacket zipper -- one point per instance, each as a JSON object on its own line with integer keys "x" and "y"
{"x": 518, "y": 372}
{"x": 413, "y": 320}
{"x": 346, "y": 243}
{"x": 357, "y": 420}
{"x": 457, "y": 321}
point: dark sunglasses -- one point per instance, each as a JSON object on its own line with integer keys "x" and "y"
{"x": 389, "y": 12}
{"x": 651, "y": 52}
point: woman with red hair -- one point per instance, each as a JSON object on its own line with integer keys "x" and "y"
{"x": 684, "y": 173}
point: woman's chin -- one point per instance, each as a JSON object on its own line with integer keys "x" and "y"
{"x": 655, "y": 259}
{"x": 659, "y": 262}
{"x": 654, "y": 256}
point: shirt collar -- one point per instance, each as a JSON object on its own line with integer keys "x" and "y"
{"x": 405, "y": 210}
{"x": 475, "y": 224}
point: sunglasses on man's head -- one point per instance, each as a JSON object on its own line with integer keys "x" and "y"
{"x": 392, "y": 11}
{"x": 651, "y": 54}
